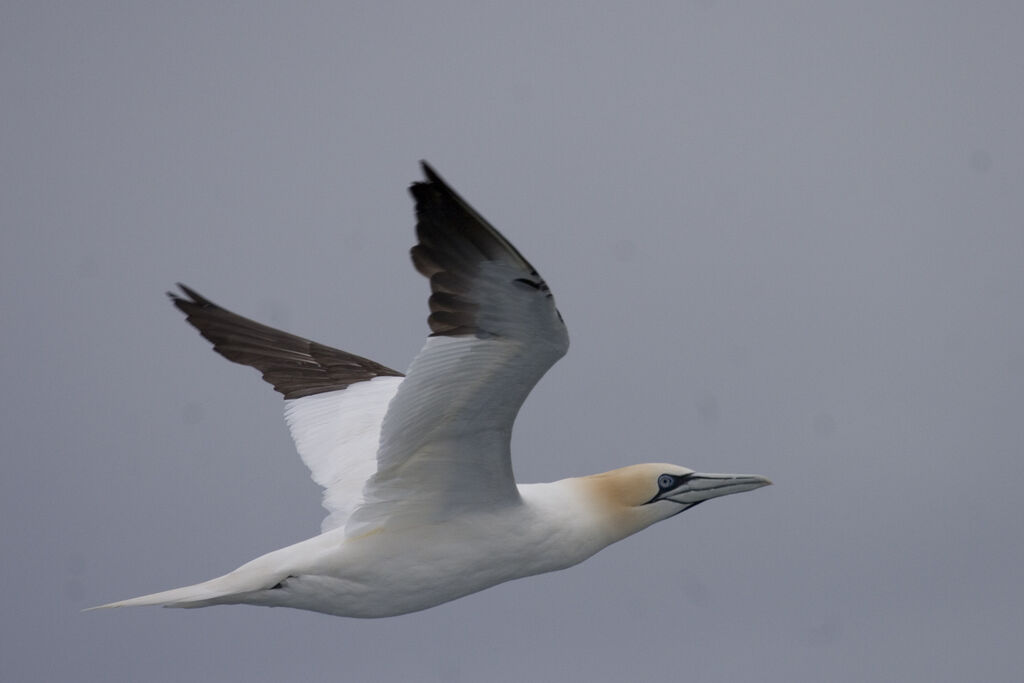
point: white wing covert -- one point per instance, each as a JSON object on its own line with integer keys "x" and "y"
{"x": 495, "y": 331}
{"x": 337, "y": 434}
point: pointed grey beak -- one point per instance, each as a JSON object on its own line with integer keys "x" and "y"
{"x": 698, "y": 487}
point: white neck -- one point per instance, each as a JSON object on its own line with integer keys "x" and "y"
{"x": 579, "y": 517}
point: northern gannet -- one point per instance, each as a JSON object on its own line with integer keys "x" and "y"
{"x": 416, "y": 469}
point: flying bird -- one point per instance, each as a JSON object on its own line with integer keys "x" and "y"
{"x": 416, "y": 468}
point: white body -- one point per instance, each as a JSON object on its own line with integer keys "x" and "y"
{"x": 391, "y": 571}
{"x": 382, "y": 574}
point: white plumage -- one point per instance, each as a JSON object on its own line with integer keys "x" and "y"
{"x": 417, "y": 474}
{"x": 336, "y": 434}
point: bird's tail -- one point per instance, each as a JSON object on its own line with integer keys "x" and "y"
{"x": 221, "y": 590}
{"x": 247, "y": 584}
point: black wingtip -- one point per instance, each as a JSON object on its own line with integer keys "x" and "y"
{"x": 433, "y": 179}
{"x": 194, "y": 297}
{"x": 191, "y": 302}
{"x": 295, "y": 366}
{"x": 428, "y": 171}
{"x": 434, "y": 188}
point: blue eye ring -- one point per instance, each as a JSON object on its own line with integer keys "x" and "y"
{"x": 666, "y": 481}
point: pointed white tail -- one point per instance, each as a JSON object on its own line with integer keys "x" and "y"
{"x": 199, "y": 594}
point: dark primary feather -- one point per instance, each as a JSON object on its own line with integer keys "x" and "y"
{"x": 453, "y": 241}
{"x": 296, "y": 366}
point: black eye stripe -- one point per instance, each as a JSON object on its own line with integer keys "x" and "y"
{"x": 670, "y": 481}
{"x": 667, "y": 482}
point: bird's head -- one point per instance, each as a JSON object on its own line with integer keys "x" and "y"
{"x": 634, "y": 497}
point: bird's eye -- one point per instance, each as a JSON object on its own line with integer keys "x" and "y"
{"x": 666, "y": 481}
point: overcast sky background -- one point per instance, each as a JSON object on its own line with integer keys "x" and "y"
{"x": 787, "y": 239}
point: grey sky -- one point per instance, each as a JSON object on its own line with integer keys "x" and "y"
{"x": 787, "y": 240}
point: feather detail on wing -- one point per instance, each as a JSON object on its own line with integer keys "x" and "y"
{"x": 394, "y": 451}
{"x": 495, "y": 331}
{"x": 295, "y": 366}
{"x": 334, "y": 401}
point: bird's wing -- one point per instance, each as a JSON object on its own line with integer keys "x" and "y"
{"x": 494, "y": 332}
{"x": 334, "y": 401}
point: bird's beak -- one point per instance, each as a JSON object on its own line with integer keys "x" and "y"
{"x": 698, "y": 487}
